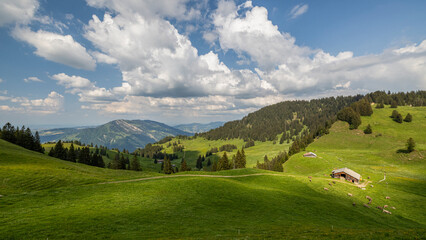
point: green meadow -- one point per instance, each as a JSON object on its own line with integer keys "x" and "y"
{"x": 43, "y": 197}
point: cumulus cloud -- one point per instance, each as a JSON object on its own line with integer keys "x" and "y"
{"x": 298, "y": 10}
{"x": 57, "y": 48}
{"x": 17, "y": 11}
{"x": 289, "y": 68}
{"x": 155, "y": 60}
{"x": 86, "y": 90}
{"x": 53, "y": 103}
{"x": 150, "y": 8}
{"x": 32, "y": 79}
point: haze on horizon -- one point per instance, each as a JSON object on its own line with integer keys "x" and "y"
{"x": 89, "y": 62}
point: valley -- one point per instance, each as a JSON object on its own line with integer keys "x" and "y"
{"x": 242, "y": 203}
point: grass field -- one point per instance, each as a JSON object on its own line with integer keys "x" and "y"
{"x": 48, "y": 198}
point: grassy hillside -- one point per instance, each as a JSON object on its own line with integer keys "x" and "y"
{"x": 248, "y": 203}
{"x": 22, "y": 170}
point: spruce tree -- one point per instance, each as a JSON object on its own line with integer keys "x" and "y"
{"x": 199, "y": 164}
{"x": 167, "y": 169}
{"x": 394, "y": 104}
{"x": 134, "y": 164}
{"x": 410, "y": 145}
{"x": 394, "y": 114}
{"x": 243, "y": 159}
{"x": 183, "y": 166}
{"x": 408, "y": 118}
{"x": 71, "y": 154}
{"x": 223, "y": 163}
{"x": 368, "y": 130}
{"x": 398, "y": 118}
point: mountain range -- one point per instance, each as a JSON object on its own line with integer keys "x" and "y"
{"x": 128, "y": 134}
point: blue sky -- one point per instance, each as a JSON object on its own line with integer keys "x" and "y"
{"x": 70, "y": 63}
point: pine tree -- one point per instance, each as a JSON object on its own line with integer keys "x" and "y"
{"x": 408, "y": 118}
{"x": 243, "y": 159}
{"x": 183, "y": 166}
{"x": 134, "y": 164}
{"x": 398, "y": 118}
{"x": 410, "y": 145}
{"x": 394, "y": 114}
{"x": 368, "y": 130}
{"x": 214, "y": 166}
{"x": 71, "y": 154}
{"x": 199, "y": 164}
{"x": 167, "y": 169}
{"x": 223, "y": 163}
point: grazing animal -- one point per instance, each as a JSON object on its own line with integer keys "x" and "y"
{"x": 330, "y": 184}
{"x": 379, "y": 207}
{"x": 386, "y": 211}
{"x": 334, "y": 182}
{"x": 369, "y": 198}
{"x": 310, "y": 180}
{"x": 371, "y": 186}
{"x": 387, "y": 197}
{"x": 393, "y": 207}
{"x": 367, "y": 206}
{"x": 326, "y": 189}
{"x": 369, "y": 202}
{"x": 353, "y": 204}
{"x": 310, "y": 177}
{"x": 368, "y": 177}
{"x": 350, "y": 194}
{"x": 385, "y": 206}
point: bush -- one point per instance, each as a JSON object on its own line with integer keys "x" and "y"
{"x": 368, "y": 130}
{"x": 398, "y": 118}
{"x": 410, "y": 145}
{"x": 408, "y": 118}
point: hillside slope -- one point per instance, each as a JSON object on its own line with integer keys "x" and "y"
{"x": 129, "y": 134}
{"x": 257, "y": 205}
{"x": 22, "y": 170}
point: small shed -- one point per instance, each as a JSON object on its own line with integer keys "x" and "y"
{"x": 310, "y": 154}
{"x": 347, "y": 174}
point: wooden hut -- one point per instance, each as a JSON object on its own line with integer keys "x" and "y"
{"x": 347, "y": 174}
{"x": 310, "y": 154}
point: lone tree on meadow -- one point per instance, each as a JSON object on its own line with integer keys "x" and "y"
{"x": 394, "y": 104}
{"x": 410, "y": 145}
{"x": 398, "y": 118}
{"x": 408, "y": 118}
{"x": 368, "y": 130}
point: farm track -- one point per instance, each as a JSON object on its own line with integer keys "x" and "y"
{"x": 225, "y": 176}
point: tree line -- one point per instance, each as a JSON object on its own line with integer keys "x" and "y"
{"x": 22, "y": 137}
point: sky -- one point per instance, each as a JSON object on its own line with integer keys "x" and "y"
{"x": 79, "y": 63}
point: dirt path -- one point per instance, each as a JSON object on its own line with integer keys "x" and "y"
{"x": 223, "y": 176}
{"x": 191, "y": 175}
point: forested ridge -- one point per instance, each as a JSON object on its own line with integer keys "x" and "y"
{"x": 289, "y": 116}
{"x": 296, "y": 118}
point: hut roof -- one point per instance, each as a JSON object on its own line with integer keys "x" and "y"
{"x": 348, "y": 171}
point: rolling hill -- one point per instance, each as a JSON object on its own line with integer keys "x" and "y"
{"x": 49, "y": 198}
{"x": 129, "y": 134}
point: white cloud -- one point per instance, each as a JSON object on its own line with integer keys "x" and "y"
{"x": 73, "y": 82}
{"x": 86, "y": 90}
{"x": 289, "y": 68}
{"x": 57, "y": 48}
{"x": 53, "y": 103}
{"x": 253, "y": 34}
{"x": 155, "y": 60}
{"x": 1, "y": 80}
{"x": 32, "y": 79}
{"x": 178, "y": 9}
{"x": 298, "y": 10}
{"x": 17, "y": 11}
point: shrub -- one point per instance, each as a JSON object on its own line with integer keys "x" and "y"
{"x": 408, "y": 118}
{"x": 368, "y": 130}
